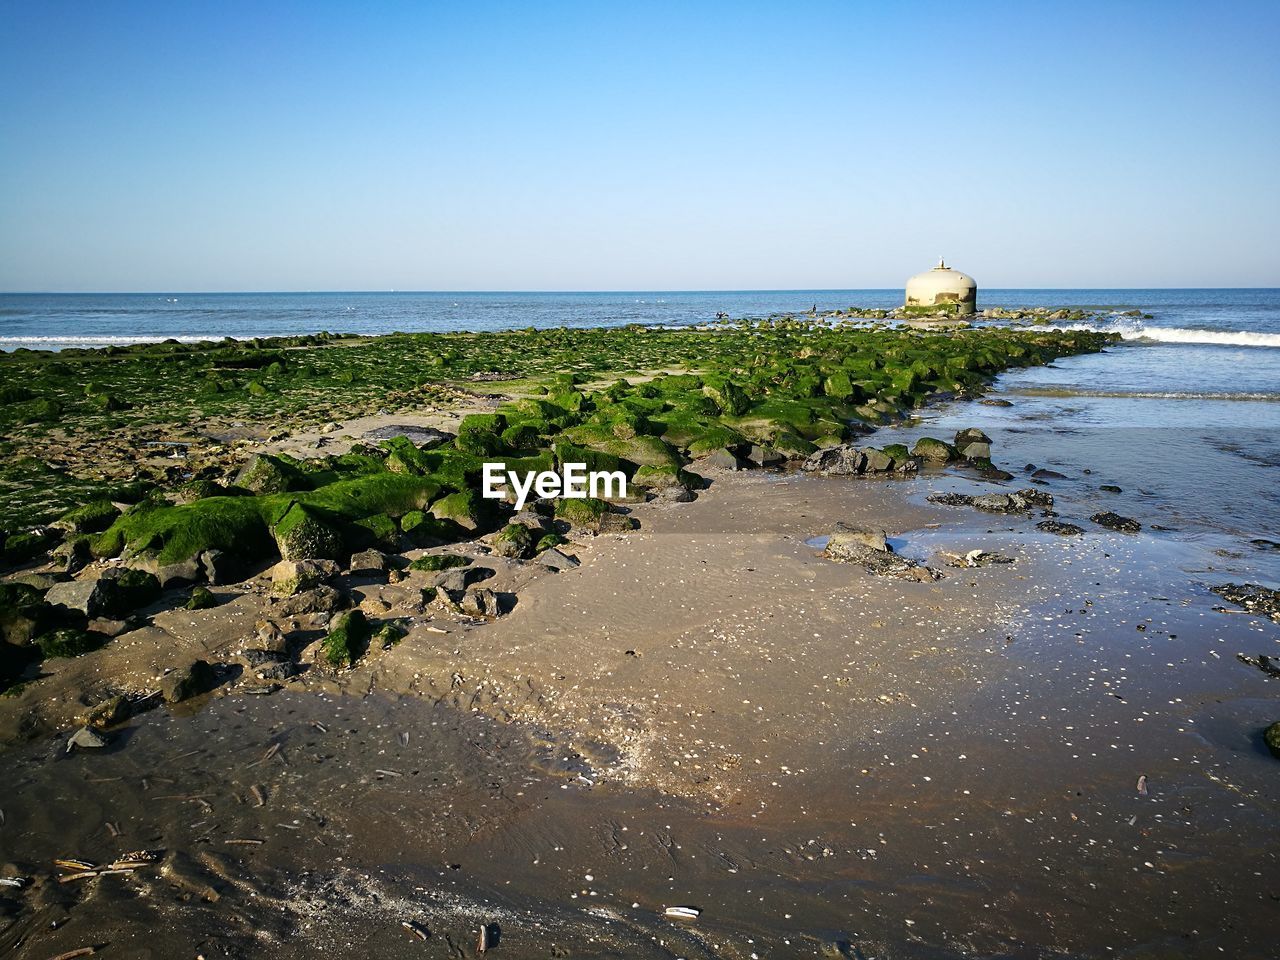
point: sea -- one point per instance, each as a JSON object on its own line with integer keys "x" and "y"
{"x": 1183, "y": 414}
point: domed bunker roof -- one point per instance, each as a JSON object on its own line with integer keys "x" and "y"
{"x": 941, "y": 286}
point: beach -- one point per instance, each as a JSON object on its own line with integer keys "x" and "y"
{"x": 700, "y": 708}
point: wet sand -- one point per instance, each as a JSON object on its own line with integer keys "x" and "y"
{"x": 705, "y": 713}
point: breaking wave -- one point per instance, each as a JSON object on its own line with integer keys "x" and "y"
{"x": 1137, "y": 330}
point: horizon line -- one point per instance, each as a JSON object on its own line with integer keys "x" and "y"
{"x": 478, "y": 292}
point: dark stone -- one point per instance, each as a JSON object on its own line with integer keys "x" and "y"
{"x": 839, "y": 461}
{"x": 1046, "y": 474}
{"x": 951, "y": 499}
{"x": 1254, "y": 598}
{"x": 724, "y": 459}
{"x": 368, "y": 563}
{"x": 1060, "y": 527}
{"x": 1110, "y": 488}
{"x": 185, "y": 682}
{"x": 322, "y": 599}
{"x": 480, "y": 602}
{"x": 557, "y": 560}
{"x": 1271, "y": 737}
{"x": 1113, "y": 521}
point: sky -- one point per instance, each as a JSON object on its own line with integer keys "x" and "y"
{"x": 650, "y": 146}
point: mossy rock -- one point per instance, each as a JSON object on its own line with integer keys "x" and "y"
{"x": 435, "y": 562}
{"x": 423, "y": 530}
{"x": 933, "y": 450}
{"x": 20, "y": 547}
{"x": 404, "y": 456}
{"x": 69, "y": 642}
{"x": 131, "y": 589}
{"x": 108, "y": 402}
{"x": 1271, "y": 736}
{"x": 201, "y": 599}
{"x": 91, "y": 517}
{"x": 548, "y": 541}
{"x": 665, "y": 478}
{"x": 380, "y": 530}
{"x": 514, "y": 541}
{"x": 717, "y": 438}
{"x": 300, "y": 534}
{"x": 792, "y": 445}
{"x": 897, "y": 452}
{"x": 199, "y": 490}
{"x": 348, "y": 639}
{"x": 480, "y": 434}
{"x": 730, "y": 399}
{"x": 582, "y": 512}
{"x": 466, "y": 508}
{"x": 269, "y": 474}
{"x": 12, "y": 393}
{"x": 595, "y": 460}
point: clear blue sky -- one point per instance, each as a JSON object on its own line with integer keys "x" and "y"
{"x": 549, "y": 146}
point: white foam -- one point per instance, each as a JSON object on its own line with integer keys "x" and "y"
{"x": 1234, "y": 338}
{"x": 1136, "y": 330}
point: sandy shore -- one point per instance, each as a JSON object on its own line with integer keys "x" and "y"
{"x": 705, "y": 712}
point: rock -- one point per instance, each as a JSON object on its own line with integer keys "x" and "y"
{"x": 277, "y": 670}
{"x": 348, "y": 639}
{"x": 290, "y": 577}
{"x": 265, "y": 474}
{"x": 765, "y": 456}
{"x": 218, "y": 567}
{"x": 110, "y": 628}
{"x": 86, "y": 738}
{"x": 972, "y": 444}
{"x": 43, "y": 581}
{"x": 187, "y": 681}
{"x": 23, "y": 613}
{"x": 877, "y": 461}
{"x": 723, "y": 459}
{"x": 1113, "y": 521}
{"x": 514, "y": 541}
{"x": 201, "y": 599}
{"x": 995, "y": 402}
{"x": 129, "y": 589}
{"x": 838, "y": 461}
{"x": 851, "y": 546}
{"x": 617, "y": 523}
{"x": 170, "y": 574}
{"x": 368, "y": 562}
{"x": 557, "y": 560}
{"x": 109, "y": 712}
{"x": 951, "y": 499}
{"x": 480, "y": 602}
{"x": 1271, "y": 737}
{"x": 1035, "y": 498}
{"x": 1045, "y": 474}
{"x": 996, "y": 503}
{"x": 1251, "y": 596}
{"x": 87, "y": 597}
{"x": 1060, "y": 527}
{"x": 454, "y": 582}
{"x": 934, "y": 451}
{"x": 269, "y": 637}
{"x": 1110, "y": 488}
{"x": 978, "y": 558}
{"x": 301, "y": 535}
{"x": 848, "y": 533}
{"x": 321, "y": 599}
